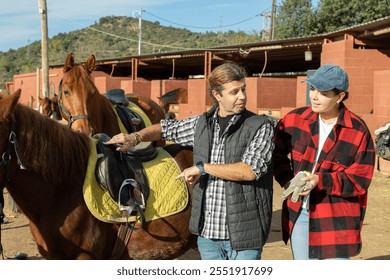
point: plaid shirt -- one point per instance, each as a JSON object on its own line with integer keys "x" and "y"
{"x": 258, "y": 155}
{"x": 345, "y": 168}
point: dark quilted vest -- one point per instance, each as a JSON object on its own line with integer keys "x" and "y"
{"x": 249, "y": 203}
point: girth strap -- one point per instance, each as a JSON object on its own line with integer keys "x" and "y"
{"x": 124, "y": 234}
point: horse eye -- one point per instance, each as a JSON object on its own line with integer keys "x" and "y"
{"x": 66, "y": 91}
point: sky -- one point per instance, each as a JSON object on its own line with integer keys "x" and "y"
{"x": 20, "y": 22}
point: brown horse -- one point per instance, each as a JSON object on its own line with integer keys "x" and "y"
{"x": 49, "y": 192}
{"x": 88, "y": 111}
{"x": 176, "y": 96}
{"x": 49, "y": 107}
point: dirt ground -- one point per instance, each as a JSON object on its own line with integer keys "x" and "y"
{"x": 16, "y": 237}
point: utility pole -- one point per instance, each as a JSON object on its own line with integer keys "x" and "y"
{"x": 266, "y": 31}
{"x": 139, "y": 12}
{"x": 44, "y": 48}
{"x": 273, "y": 15}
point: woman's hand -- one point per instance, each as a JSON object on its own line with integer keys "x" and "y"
{"x": 312, "y": 181}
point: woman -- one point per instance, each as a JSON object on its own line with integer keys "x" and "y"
{"x": 335, "y": 148}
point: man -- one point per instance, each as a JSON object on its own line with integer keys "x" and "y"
{"x": 232, "y": 197}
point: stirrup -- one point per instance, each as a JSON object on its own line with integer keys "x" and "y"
{"x": 137, "y": 203}
{"x": 136, "y": 195}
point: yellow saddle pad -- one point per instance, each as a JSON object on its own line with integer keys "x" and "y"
{"x": 133, "y": 107}
{"x": 168, "y": 195}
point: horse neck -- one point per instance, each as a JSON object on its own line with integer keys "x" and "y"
{"x": 50, "y": 151}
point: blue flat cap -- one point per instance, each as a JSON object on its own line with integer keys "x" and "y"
{"x": 329, "y": 77}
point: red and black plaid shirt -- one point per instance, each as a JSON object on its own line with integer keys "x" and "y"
{"x": 345, "y": 168}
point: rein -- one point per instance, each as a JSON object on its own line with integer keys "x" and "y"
{"x": 71, "y": 119}
{"x": 4, "y": 164}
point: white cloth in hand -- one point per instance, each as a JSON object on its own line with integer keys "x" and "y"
{"x": 295, "y": 186}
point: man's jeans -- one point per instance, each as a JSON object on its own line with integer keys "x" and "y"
{"x": 215, "y": 249}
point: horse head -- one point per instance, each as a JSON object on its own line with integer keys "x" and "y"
{"x": 55, "y": 108}
{"x": 176, "y": 96}
{"x": 8, "y": 142}
{"x": 49, "y": 107}
{"x": 45, "y": 106}
{"x": 75, "y": 93}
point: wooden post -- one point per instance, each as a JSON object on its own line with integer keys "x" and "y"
{"x": 44, "y": 48}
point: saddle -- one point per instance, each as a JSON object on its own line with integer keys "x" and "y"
{"x": 131, "y": 120}
{"x": 123, "y": 175}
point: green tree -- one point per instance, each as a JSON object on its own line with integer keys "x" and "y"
{"x": 294, "y": 18}
{"x": 334, "y": 15}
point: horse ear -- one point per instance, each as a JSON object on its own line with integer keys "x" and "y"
{"x": 8, "y": 104}
{"x": 90, "y": 65}
{"x": 69, "y": 62}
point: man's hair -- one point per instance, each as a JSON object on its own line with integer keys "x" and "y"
{"x": 225, "y": 73}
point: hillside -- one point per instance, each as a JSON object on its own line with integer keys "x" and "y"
{"x": 97, "y": 40}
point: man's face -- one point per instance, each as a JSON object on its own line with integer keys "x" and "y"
{"x": 232, "y": 98}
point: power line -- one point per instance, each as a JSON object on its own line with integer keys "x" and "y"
{"x": 205, "y": 27}
{"x": 146, "y": 43}
{"x": 121, "y": 37}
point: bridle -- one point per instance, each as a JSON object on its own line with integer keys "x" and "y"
{"x": 5, "y": 164}
{"x": 71, "y": 119}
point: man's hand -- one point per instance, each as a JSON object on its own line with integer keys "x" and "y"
{"x": 190, "y": 175}
{"x": 125, "y": 142}
{"x": 296, "y": 186}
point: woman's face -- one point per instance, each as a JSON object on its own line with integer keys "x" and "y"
{"x": 325, "y": 102}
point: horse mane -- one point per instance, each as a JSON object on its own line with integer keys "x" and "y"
{"x": 49, "y": 147}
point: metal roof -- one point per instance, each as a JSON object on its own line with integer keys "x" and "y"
{"x": 278, "y": 57}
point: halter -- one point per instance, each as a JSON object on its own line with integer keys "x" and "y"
{"x": 62, "y": 108}
{"x": 5, "y": 159}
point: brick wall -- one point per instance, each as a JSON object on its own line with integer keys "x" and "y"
{"x": 31, "y": 86}
{"x": 276, "y": 92}
{"x": 360, "y": 64}
{"x": 381, "y": 100}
